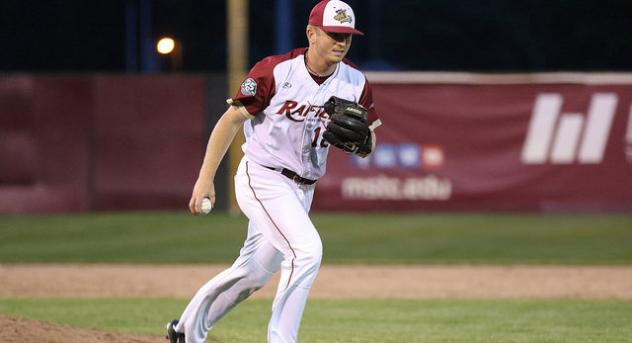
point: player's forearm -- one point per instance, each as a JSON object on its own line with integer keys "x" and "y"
{"x": 221, "y": 138}
{"x": 373, "y": 141}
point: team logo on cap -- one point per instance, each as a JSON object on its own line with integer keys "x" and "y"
{"x": 249, "y": 87}
{"x": 342, "y": 17}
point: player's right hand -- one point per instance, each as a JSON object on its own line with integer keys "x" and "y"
{"x": 202, "y": 189}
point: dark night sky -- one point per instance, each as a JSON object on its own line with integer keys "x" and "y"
{"x": 482, "y": 35}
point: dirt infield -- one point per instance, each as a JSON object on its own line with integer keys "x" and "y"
{"x": 333, "y": 282}
{"x": 16, "y": 330}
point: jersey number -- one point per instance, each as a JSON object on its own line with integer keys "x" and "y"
{"x": 323, "y": 144}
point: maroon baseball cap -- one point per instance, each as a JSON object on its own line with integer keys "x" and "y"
{"x": 334, "y": 16}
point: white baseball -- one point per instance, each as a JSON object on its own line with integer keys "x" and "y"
{"x": 207, "y": 206}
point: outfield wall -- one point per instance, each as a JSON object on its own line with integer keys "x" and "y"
{"x": 477, "y": 142}
{"x": 99, "y": 142}
{"x": 449, "y": 142}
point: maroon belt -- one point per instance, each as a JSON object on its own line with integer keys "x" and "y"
{"x": 292, "y": 175}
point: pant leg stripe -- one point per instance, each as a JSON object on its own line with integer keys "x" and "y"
{"x": 275, "y": 225}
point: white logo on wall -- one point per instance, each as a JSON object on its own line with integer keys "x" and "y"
{"x": 567, "y": 144}
{"x": 381, "y": 187}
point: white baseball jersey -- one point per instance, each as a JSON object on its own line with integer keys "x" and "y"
{"x": 285, "y": 103}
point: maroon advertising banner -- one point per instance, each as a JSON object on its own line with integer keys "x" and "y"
{"x": 550, "y": 144}
{"x": 73, "y": 143}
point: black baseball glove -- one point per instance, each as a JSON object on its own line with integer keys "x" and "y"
{"x": 348, "y": 127}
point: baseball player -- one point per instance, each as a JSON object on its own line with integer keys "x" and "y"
{"x": 292, "y": 108}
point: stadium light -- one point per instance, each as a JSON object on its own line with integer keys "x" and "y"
{"x": 165, "y": 45}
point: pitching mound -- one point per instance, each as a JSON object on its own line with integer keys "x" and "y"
{"x": 14, "y": 330}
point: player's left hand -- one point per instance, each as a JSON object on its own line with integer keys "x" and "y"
{"x": 348, "y": 127}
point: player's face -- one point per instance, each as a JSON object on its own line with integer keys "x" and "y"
{"x": 331, "y": 46}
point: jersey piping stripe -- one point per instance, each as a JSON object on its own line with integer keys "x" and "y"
{"x": 275, "y": 225}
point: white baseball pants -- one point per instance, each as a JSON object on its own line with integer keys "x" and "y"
{"x": 280, "y": 236}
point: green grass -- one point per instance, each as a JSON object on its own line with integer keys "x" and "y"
{"x": 332, "y": 321}
{"x": 374, "y": 238}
